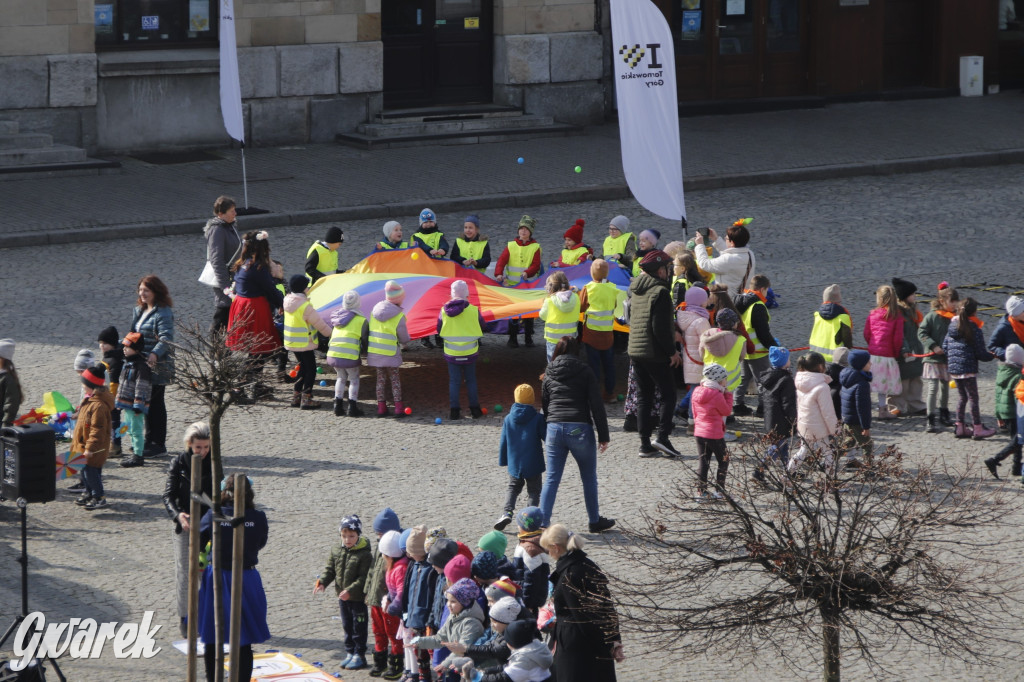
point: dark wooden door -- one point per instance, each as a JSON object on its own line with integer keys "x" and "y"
{"x": 736, "y": 48}
{"x": 436, "y": 52}
{"x": 907, "y": 50}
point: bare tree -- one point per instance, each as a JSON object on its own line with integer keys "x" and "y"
{"x": 212, "y": 376}
{"x": 864, "y": 559}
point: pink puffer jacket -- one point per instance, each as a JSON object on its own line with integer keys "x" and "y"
{"x": 815, "y": 413}
{"x": 692, "y": 326}
{"x": 884, "y": 337}
{"x": 710, "y": 407}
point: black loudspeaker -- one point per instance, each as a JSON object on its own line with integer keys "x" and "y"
{"x": 28, "y": 468}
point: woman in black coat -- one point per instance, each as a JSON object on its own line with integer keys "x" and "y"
{"x": 587, "y": 638}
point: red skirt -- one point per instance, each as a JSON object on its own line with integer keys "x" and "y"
{"x": 255, "y": 332}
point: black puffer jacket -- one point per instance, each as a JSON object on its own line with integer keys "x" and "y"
{"x": 570, "y": 394}
{"x": 179, "y": 483}
{"x": 778, "y": 397}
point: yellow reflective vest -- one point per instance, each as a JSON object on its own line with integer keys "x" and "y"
{"x": 461, "y": 333}
{"x": 615, "y": 246}
{"x": 433, "y": 240}
{"x": 344, "y": 343}
{"x": 519, "y": 259}
{"x": 574, "y": 256}
{"x": 298, "y": 335}
{"x": 387, "y": 246}
{"x": 384, "y": 335}
{"x": 604, "y": 304}
{"x": 730, "y": 361}
{"x": 824, "y": 332}
{"x": 327, "y": 260}
{"x": 558, "y": 324}
{"x": 759, "y": 350}
{"x": 472, "y": 250}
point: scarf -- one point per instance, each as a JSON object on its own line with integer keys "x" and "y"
{"x": 1018, "y": 328}
{"x": 978, "y": 323}
{"x": 758, "y": 294}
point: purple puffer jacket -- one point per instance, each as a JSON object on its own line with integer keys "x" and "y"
{"x": 453, "y": 308}
{"x": 339, "y": 318}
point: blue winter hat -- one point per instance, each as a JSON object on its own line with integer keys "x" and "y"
{"x": 485, "y": 565}
{"x": 351, "y": 522}
{"x": 472, "y": 218}
{"x": 530, "y": 519}
{"x": 858, "y": 359}
{"x": 386, "y": 520}
{"x": 404, "y": 538}
{"x": 778, "y": 356}
{"x": 427, "y": 215}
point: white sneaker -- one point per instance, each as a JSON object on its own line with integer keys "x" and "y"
{"x": 729, "y": 437}
{"x": 717, "y": 495}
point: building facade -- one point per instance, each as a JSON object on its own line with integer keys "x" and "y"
{"x": 127, "y": 75}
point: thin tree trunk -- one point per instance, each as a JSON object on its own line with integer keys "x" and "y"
{"x": 193, "y": 565}
{"x": 218, "y": 584}
{"x": 237, "y": 569}
{"x": 830, "y": 643}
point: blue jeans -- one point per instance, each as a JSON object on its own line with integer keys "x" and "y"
{"x": 602, "y": 359}
{"x": 550, "y": 349}
{"x": 578, "y": 439}
{"x": 93, "y": 480}
{"x": 455, "y": 374}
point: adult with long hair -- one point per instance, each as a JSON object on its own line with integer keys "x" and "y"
{"x": 253, "y": 628}
{"x": 177, "y": 501}
{"x": 251, "y": 320}
{"x": 735, "y": 264}
{"x": 154, "y": 319}
{"x": 572, "y": 404}
{"x": 10, "y": 387}
{"x": 222, "y": 247}
{"x": 587, "y": 641}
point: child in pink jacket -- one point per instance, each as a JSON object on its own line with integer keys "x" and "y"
{"x": 711, "y": 404}
{"x": 816, "y": 419}
{"x": 883, "y": 330}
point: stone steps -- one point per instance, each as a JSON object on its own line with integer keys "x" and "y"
{"x": 24, "y": 155}
{"x": 25, "y": 140}
{"x": 27, "y": 157}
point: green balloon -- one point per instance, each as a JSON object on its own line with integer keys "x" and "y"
{"x": 497, "y": 408}
{"x": 578, "y": 169}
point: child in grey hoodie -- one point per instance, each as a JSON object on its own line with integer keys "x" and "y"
{"x": 530, "y": 661}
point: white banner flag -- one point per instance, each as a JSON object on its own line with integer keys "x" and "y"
{"x": 645, "y": 89}
{"x": 230, "y": 90}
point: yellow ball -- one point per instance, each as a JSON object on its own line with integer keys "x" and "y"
{"x": 952, "y": 383}
{"x": 415, "y": 255}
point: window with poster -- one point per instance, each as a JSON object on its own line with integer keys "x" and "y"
{"x": 155, "y": 23}
{"x": 688, "y": 25}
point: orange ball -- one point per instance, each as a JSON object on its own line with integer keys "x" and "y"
{"x": 484, "y": 410}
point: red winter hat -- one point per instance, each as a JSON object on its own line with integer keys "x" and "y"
{"x": 575, "y": 233}
{"x": 95, "y": 376}
{"x": 654, "y": 260}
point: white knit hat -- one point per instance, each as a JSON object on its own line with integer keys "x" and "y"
{"x": 1014, "y": 306}
{"x": 460, "y": 289}
{"x": 505, "y": 610}
{"x": 351, "y": 300}
{"x": 84, "y": 360}
{"x": 1015, "y": 355}
{"x": 7, "y": 349}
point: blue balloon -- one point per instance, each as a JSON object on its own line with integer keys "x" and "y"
{"x": 520, "y": 160}
{"x": 437, "y": 421}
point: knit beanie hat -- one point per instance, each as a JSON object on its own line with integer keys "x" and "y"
{"x": 485, "y": 565}
{"x": 351, "y": 522}
{"x": 134, "y": 341}
{"x": 858, "y": 359}
{"x": 84, "y": 360}
{"x": 726, "y": 318}
{"x": 403, "y": 539}
{"x": 414, "y": 544}
{"x": 653, "y": 260}
{"x": 473, "y": 218}
{"x": 386, "y": 520}
{"x": 696, "y": 297}
{"x": 7, "y": 351}
{"x": 109, "y": 336}
{"x": 456, "y": 569}
{"x": 831, "y": 294}
{"x": 529, "y": 223}
{"x": 651, "y": 235}
{"x": 716, "y": 373}
{"x": 575, "y": 233}
{"x": 1014, "y": 306}
{"x": 501, "y": 588}
{"x": 394, "y": 292}
{"x": 778, "y": 356}
{"x": 433, "y": 535}
{"x": 389, "y": 544}
{"x": 519, "y": 633}
{"x": 441, "y": 552}
{"x": 494, "y": 541}
{"x": 334, "y": 235}
{"x": 351, "y": 301}
{"x": 298, "y": 284}
{"x": 389, "y": 227}
{"x": 841, "y": 356}
{"x": 94, "y": 377}
{"x": 903, "y": 288}
{"x": 524, "y": 394}
{"x": 460, "y": 289}
{"x": 465, "y": 592}
{"x": 505, "y": 610}
{"x": 426, "y": 215}
{"x": 620, "y": 223}
{"x": 1014, "y": 354}
{"x": 599, "y": 270}
{"x": 530, "y": 521}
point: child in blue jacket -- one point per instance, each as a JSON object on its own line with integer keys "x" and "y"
{"x": 417, "y": 598}
{"x": 522, "y": 451}
{"x": 856, "y": 400}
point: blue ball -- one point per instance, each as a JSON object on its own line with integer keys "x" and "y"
{"x": 520, "y": 160}
{"x": 437, "y": 421}
{"x": 323, "y": 383}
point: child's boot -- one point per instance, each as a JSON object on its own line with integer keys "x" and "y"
{"x": 380, "y": 663}
{"x": 944, "y": 417}
{"x": 296, "y": 399}
{"x": 981, "y": 431}
{"x": 382, "y": 408}
{"x": 963, "y": 431}
{"x": 308, "y": 403}
{"x": 933, "y": 424}
{"x": 1016, "y": 468}
{"x": 339, "y": 407}
{"x": 394, "y": 670}
{"x": 399, "y": 409}
{"x": 353, "y": 409}
{"x": 455, "y": 414}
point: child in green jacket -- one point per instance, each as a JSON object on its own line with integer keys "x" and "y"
{"x": 1007, "y": 378}
{"x": 348, "y": 567}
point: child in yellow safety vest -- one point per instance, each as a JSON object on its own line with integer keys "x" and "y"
{"x": 520, "y": 262}
{"x": 601, "y": 302}
{"x": 723, "y": 345}
{"x": 461, "y": 326}
{"x": 392, "y": 237}
{"x": 429, "y": 237}
{"x": 322, "y": 257}
{"x": 648, "y": 241}
{"x": 620, "y": 244}
{"x": 472, "y": 250}
{"x": 560, "y": 311}
{"x": 301, "y": 323}
{"x": 349, "y": 338}
{"x": 574, "y": 251}
{"x": 388, "y": 334}
{"x": 751, "y": 305}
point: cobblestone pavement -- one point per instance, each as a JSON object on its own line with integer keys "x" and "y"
{"x": 303, "y": 184}
{"x": 311, "y": 468}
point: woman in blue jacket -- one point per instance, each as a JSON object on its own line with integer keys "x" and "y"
{"x": 154, "y": 319}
